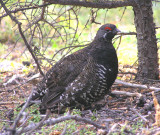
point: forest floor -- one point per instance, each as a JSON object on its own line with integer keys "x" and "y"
{"x": 132, "y": 113}
{"x": 120, "y": 115}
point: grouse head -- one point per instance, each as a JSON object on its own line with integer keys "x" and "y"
{"x": 107, "y": 32}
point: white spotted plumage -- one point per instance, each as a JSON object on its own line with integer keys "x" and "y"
{"x": 80, "y": 79}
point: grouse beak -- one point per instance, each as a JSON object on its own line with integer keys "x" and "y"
{"x": 118, "y": 31}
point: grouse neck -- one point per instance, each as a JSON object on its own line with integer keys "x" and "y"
{"x": 101, "y": 43}
{"x": 102, "y": 39}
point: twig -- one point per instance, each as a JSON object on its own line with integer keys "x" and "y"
{"x": 123, "y": 13}
{"x": 126, "y": 93}
{"x": 21, "y": 112}
{"x": 137, "y": 85}
{"x": 112, "y": 128}
{"x": 127, "y": 33}
{"x": 23, "y": 121}
{"x": 64, "y": 130}
{"x": 8, "y": 103}
{"x": 61, "y": 119}
{"x": 30, "y": 79}
{"x": 143, "y": 118}
{"x": 157, "y": 27}
{"x": 30, "y": 49}
{"x": 6, "y": 120}
{"x": 120, "y": 39}
{"x": 23, "y": 9}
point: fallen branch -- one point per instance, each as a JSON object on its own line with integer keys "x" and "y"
{"x": 143, "y": 118}
{"x": 58, "y": 120}
{"x": 8, "y": 103}
{"x": 29, "y": 80}
{"x": 136, "y": 85}
{"x": 126, "y": 93}
{"x": 20, "y": 113}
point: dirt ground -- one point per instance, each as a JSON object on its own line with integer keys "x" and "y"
{"x": 121, "y": 114}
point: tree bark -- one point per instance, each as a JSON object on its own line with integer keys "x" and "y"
{"x": 146, "y": 40}
{"x": 94, "y": 3}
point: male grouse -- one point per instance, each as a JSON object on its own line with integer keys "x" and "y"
{"x": 82, "y": 78}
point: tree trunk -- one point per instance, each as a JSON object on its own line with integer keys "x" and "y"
{"x": 146, "y": 40}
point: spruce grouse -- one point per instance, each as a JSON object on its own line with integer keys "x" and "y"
{"x": 82, "y": 78}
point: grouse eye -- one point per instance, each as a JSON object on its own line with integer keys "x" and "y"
{"x": 108, "y": 28}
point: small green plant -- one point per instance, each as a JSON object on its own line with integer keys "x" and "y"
{"x": 76, "y": 112}
{"x": 94, "y": 115}
{"x": 139, "y": 124}
{"x": 87, "y": 131}
{"x": 35, "y": 113}
{"x": 71, "y": 125}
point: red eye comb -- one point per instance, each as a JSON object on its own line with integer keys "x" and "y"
{"x": 108, "y": 28}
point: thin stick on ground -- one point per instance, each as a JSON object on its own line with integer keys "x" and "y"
{"x": 61, "y": 119}
{"x": 126, "y": 93}
{"x": 112, "y": 129}
{"x": 137, "y": 85}
{"x": 9, "y": 103}
{"x": 64, "y": 130}
{"x": 20, "y": 113}
{"x": 143, "y": 118}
